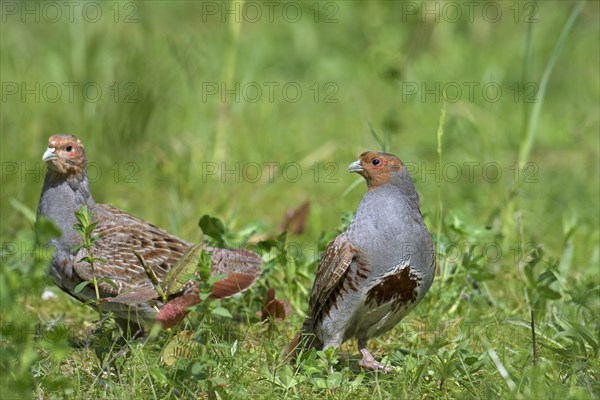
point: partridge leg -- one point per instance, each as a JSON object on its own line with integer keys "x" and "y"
{"x": 368, "y": 361}
{"x": 334, "y": 340}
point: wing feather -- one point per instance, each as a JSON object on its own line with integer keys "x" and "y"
{"x": 334, "y": 264}
{"x": 119, "y": 235}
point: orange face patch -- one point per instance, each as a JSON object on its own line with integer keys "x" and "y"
{"x": 377, "y": 167}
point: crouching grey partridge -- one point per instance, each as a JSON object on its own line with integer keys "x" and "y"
{"x": 376, "y": 271}
{"x": 124, "y": 285}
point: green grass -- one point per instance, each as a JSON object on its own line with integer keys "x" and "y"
{"x": 528, "y": 240}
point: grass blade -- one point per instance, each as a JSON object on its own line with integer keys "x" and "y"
{"x": 534, "y": 118}
{"x": 440, "y": 133}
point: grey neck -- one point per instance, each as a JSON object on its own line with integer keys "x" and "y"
{"x": 403, "y": 180}
{"x": 60, "y": 198}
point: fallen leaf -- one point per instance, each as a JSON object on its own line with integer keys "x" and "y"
{"x": 295, "y": 219}
{"x": 275, "y": 309}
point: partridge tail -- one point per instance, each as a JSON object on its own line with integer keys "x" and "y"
{"x": 304, "y": 340}
{"x": 174, "y": 311}
{"x": 294, "y": 347}
{"x": 241, "y": 268}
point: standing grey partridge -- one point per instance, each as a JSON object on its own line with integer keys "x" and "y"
{"x": 376, "y": 271}
{"x": 66, "y": 189}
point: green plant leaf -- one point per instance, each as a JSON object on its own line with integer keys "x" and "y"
{"x": 108, "y": 282}
{"x": 319, "y": 383}
{"x": 221, "y": 312}
{"x": 213, "y": 227}
{"x": 547, "y": 275}
{"x": 80, "y": 287}
{"x": 178, "y": 276}
{"x": 548, "y": 293}
{"x": 334, "y": 380}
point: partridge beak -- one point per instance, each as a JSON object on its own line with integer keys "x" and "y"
{"x": 49, "y": 154}
{"x": 355, "y": 167}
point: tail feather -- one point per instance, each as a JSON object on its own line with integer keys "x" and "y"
{"x": 303, "y": 341}
{"x": 231, "y": 285}
{"x": 294, "y": 346}
{"x": 241, "y": 268}
{"x": 174, "y": 311}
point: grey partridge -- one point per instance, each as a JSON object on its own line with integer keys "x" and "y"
{"x": 377, "y": 270}
{"x": 66, "y": 189}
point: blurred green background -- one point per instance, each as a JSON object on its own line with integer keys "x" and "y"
{"x": 245, "y": 110}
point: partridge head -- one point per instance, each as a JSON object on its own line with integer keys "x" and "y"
{"x": 65, "y": 156}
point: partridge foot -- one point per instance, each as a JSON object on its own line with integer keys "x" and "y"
{"x": 368, "y": 362}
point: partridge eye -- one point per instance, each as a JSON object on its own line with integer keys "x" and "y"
{"x": 375, "y": 161}
{"x": 69, "y": 148}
